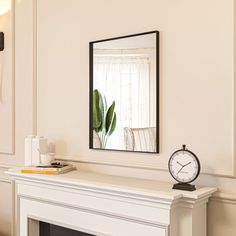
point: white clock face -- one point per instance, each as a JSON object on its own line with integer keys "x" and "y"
{"x": 183, "y": 166}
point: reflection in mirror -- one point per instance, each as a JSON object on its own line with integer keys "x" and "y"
{"x": 124, "y": 93}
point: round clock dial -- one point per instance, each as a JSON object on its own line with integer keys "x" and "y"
{"x": 184, "y": 166}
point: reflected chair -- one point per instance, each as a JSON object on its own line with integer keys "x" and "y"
{"x": 140, "y": 139}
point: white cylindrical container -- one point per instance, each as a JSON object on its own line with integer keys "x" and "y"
{"x": 39, "y": 146}
{"x": 28, "y": 150}
{"x": 47, "y": 159}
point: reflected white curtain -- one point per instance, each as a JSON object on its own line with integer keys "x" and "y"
{"x": 125, "y": 80}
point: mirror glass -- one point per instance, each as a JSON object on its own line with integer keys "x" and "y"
{"x": 124, "y": 84}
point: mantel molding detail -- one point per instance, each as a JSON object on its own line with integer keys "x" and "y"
{"x": 150, "y": 207}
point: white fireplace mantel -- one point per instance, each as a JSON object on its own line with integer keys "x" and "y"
{"x": 108, "y": 205}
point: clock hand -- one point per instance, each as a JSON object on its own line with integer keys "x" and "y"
{"x": 179, "y": 163}
{"x": 180, "y": 169}
{"x": 183, "y": 166}
{"x": 187, "y": 163}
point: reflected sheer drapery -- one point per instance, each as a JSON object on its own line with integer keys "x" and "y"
{"x": 125, "y": 80}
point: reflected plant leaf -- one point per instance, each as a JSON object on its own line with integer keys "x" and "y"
{"x": 105, "y": 103}
{"x": 104, "y": 121}
{"x": 97, "y": 114}
{"x": 113, "y": 124}
{"x": 102, "y": 111}
{"x": 109, "y": 116}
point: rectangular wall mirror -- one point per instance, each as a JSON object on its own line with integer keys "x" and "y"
{"x": 124, "y": 93}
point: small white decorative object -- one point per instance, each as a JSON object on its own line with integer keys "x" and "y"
{"x": 28, "y": 150}
{"x": 39, "y": 147}
{"x": 47, "y": 159}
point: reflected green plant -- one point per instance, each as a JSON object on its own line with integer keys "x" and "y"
{"x": 104, "y": 120}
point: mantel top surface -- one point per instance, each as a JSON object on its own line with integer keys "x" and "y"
{"x": 92, "y": 180}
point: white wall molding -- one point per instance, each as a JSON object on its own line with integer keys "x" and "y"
{"x": 138, "y": 165}
{"x": 35, "y": 48}
{"x": 12, "y": 150}
{"x": 223, "y": 197}
{"x": 5, "y": 180}
{"x": 4, "y": 177}
{"x": 5, "y": 166}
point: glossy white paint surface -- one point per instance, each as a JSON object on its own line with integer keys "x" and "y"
{"x": 122, "y": 206}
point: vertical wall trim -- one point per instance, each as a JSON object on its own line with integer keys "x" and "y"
{"x": 13, "y": 78}
{"x": 13, "y": 224}
{"x": 35, "y": 92}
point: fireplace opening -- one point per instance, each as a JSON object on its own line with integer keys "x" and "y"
{"x": 46, "y": 229}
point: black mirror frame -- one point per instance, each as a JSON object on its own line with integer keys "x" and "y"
{"x": 157, "y": 91}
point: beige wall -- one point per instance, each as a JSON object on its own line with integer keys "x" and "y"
{"x": 197, "y": 69}
{"x": 22, "y": 86}
{"x": 6, "y": 204}
{"x": 6, "y": 85}
{"x": 222, "y": 216}
{"x": 197, "y": 87}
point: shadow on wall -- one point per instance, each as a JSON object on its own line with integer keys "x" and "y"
{"x": 60, "y": 147}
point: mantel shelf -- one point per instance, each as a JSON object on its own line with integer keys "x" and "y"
{"x": 128, "y": 206}
{"x": 102, "y": 182}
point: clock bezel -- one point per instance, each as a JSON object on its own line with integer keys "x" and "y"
{"x": 194, "y": 156}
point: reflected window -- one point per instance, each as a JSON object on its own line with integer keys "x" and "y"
{"x": 129, "y": 74}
